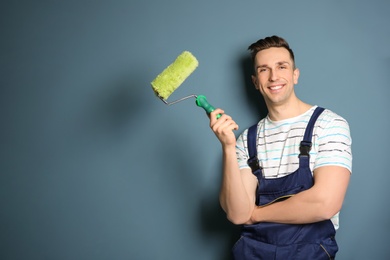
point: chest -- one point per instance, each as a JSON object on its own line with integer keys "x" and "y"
{"x": 278, "y": 148}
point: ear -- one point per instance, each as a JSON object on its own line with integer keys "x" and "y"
{"x": 296, "y": 75}
{"x": 255, "y": 82}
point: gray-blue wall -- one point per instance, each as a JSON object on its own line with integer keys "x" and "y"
{"x": 94, "y": 166}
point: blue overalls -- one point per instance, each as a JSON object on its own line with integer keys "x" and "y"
{"x": 274, "y": 241}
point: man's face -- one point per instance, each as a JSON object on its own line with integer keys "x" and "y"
{"x": 275, "y": 75}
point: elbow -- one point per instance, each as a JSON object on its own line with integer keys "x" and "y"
{"x": 238, "y": 219}
{"x": 329, "y": 209}
{"x": 326, "y": 215}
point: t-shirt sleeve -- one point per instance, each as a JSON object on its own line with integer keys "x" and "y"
{"x": 242, "y": 151}
{"x": 334, "y": 144}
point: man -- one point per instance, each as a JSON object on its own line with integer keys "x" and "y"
{"x": 289, "y": 193}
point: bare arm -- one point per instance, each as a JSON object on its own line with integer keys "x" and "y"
{"x": 237, "y": 195}
{"x": 318, "y": 203}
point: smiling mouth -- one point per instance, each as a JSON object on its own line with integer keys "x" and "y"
{"x": 277, "y": 87}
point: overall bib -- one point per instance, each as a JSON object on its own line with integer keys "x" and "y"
{"x": 285, "y": 241}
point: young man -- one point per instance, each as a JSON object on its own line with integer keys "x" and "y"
{"x": 285, "y": 178}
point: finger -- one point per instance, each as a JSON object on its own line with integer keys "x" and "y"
{"x": 221, "y": 122}
{"x": 213, "y": 115}
{"x": 224, "y": 125}
{"x": 216, "y": 113}
{"x": 231, "y": 125}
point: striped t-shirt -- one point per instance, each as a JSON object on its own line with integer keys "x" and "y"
{"x": 278, "y": 144}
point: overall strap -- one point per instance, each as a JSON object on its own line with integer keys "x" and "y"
{"x": 253, "y": 161}
{"x": 305, "y": 146}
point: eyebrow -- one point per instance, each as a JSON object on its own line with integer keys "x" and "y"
{"x": 278, "y": 63}
{"x": 283, "y": 62}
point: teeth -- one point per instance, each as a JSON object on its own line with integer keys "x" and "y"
{"x": 276, "y": 87}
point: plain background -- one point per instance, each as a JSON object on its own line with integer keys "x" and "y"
{"x": 94, "y": 166}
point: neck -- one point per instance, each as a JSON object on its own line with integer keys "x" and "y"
{"x": 285, "y": 111}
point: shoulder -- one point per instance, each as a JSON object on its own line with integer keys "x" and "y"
{"x": 332, "y": 141}
{"x": 329, "y": 121}
{"x": 329, "y": 117}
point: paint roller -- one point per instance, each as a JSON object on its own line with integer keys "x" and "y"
{"x": 173, "y": 76}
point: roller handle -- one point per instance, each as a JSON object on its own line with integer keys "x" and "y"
{"x": 201, "y": 101}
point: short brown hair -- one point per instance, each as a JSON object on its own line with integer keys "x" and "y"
{"x": 269, "y": 42}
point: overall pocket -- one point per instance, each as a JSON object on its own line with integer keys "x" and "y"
{"x": 265, "y": 198}
{"x": 315, "y": 251}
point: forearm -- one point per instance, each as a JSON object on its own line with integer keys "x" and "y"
{"x": 320, "y": 202}
{"x": 235, "y": 198}
{"x": 305, "y": 207}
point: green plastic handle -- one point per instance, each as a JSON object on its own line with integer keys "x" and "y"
{"x": 201, "y": 101}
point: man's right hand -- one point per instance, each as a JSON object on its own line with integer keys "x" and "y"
{"x": 223, "y": 127}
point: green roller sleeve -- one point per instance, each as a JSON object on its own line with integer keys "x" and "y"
{"x": 201, "y": 101}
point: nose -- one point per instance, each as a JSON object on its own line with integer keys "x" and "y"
{"x": 273, "y": 76}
